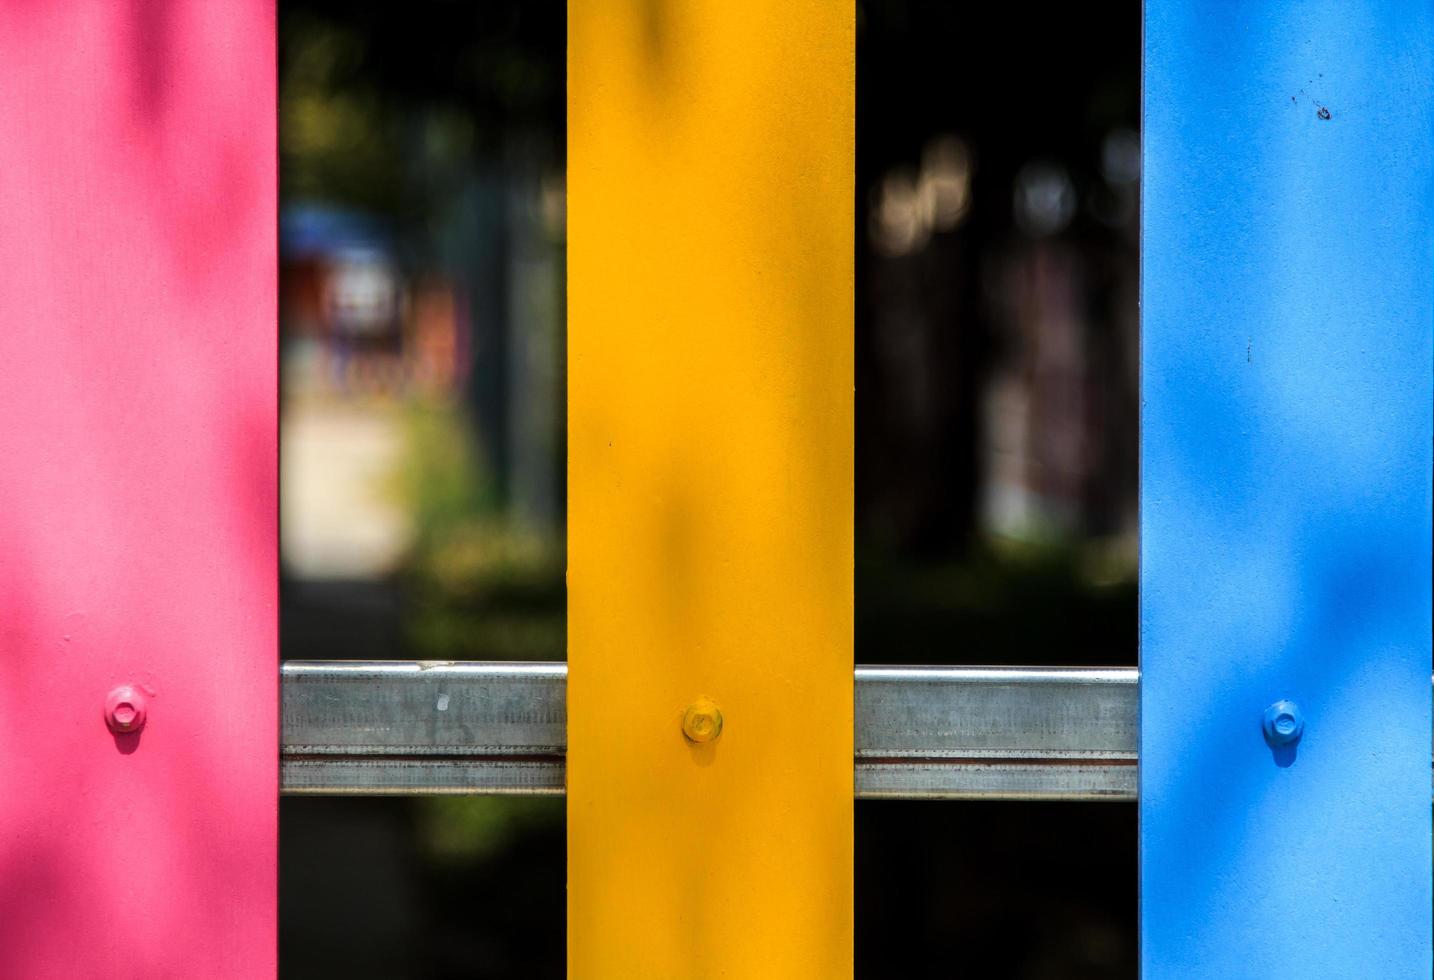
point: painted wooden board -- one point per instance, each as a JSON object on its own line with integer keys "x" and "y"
{"x": 1288, "y": 304}
{"x": 138, "y": 488}
{"x": 710, "y": 252}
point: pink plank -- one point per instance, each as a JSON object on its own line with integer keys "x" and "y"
{"x": 138, "y": 479}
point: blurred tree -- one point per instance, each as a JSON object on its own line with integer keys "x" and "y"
{"x": 365, "y": 83}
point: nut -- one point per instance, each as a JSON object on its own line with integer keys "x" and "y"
{"x": 702, "y": 721}
{"x": 125, "y": 710}
{"x": 1284, "y": 723}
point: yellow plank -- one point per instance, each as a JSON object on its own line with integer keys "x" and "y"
{"x": 710, "y": 182}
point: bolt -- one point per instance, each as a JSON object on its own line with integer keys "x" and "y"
{"x": 1284, "y": 723}
{"x": 702, "y": 721}
{"x": 125, "y": 710}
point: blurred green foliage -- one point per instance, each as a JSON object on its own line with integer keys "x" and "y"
{"x": 337, "y": 140}
{"x": 479, "y": 585}
{"x": 440, "y": 481}
{"x": 373, "y": 93}
{"x": 465, "y": 829}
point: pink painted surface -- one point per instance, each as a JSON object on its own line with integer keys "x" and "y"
{"x": 138, "y": 480}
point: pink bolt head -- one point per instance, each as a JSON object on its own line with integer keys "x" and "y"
{"x": 125, "y": 710}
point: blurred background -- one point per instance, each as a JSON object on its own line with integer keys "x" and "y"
{"x": 423, "y": 453}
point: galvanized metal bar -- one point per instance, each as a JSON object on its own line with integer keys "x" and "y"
{"x": 996, "y": 733}
{"x": 372, "y": 728}
{"x": 921, "y": 732}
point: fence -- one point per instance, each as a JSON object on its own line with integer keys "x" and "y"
{"x": 708, "y": 730}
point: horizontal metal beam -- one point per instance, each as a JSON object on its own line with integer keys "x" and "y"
{"x": 374, "y": 728}
{"x": 996, "y": 733}
{"x": 499, "y": 728}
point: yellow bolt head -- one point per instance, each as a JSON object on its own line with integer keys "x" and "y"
{"x": 702, "y": 721}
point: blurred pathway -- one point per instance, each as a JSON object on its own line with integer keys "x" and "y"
{"x": 339, "y": 515}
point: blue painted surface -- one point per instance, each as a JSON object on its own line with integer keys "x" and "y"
{"x": 1288, "y": 309}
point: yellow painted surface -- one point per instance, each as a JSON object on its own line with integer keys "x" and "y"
{"x": 710, "y": 185}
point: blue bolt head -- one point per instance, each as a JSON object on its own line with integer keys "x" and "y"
{"x": 1284, "y": 723}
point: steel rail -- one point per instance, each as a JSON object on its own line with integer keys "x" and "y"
{"x": 423, "y": 728}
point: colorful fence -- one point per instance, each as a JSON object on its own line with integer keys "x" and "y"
{"x": 709, "y": 731}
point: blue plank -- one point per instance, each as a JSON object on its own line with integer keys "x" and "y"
{"x": 1288, "y": 308}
